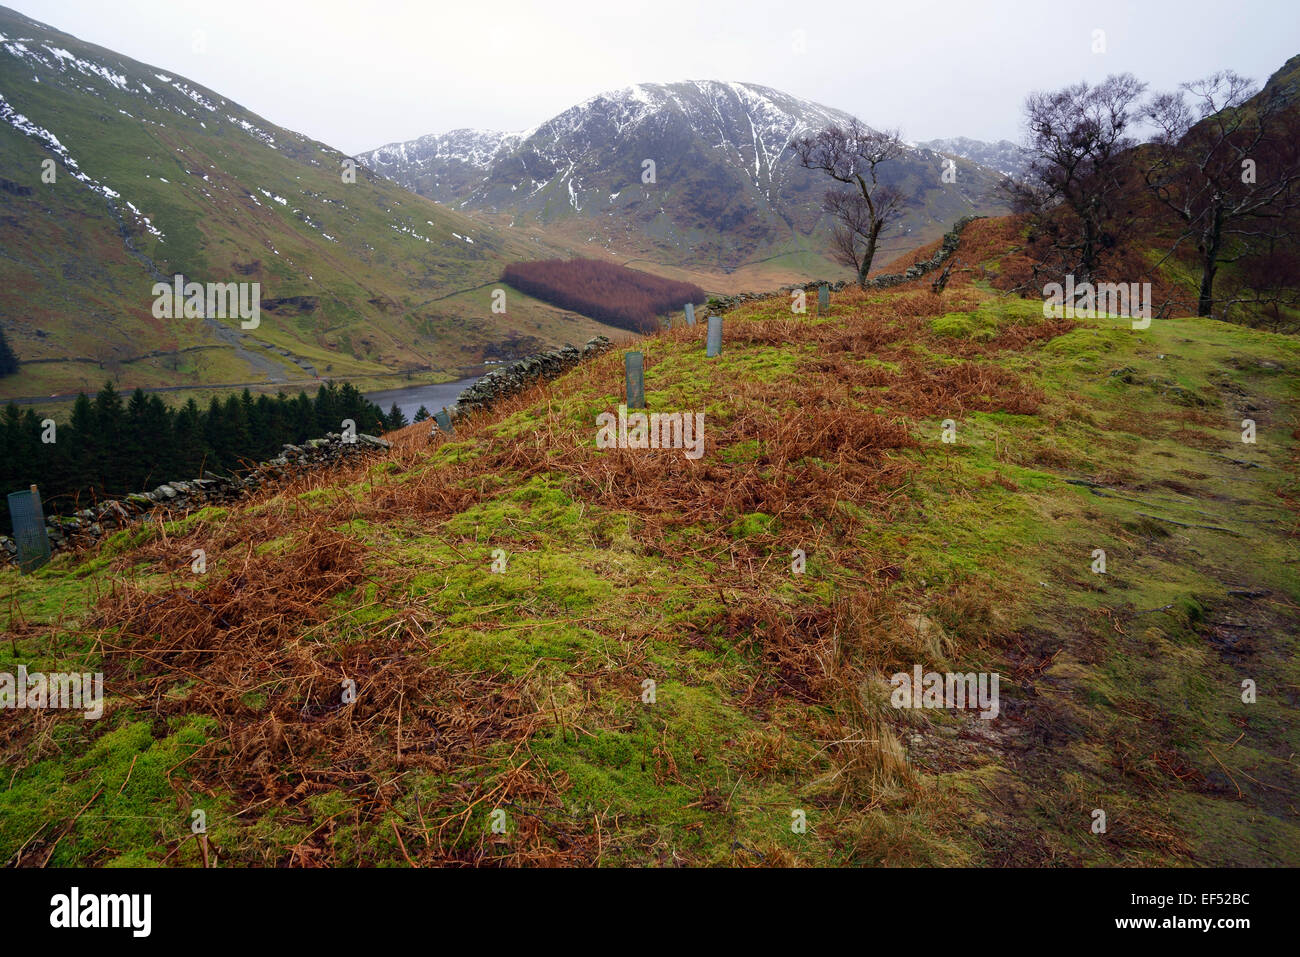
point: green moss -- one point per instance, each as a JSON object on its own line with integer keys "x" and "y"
{"x": 130, "y": 811}
{"x": 209, "y": 515}
{"x": 455, "y": 452}
{"x": 58, "y": 591}
{"x": 985, "y": 322}
{"x": 748, "y": 450}
{"x": 751, "y": 524}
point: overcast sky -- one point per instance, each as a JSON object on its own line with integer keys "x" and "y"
{"x": 361, "y": 73}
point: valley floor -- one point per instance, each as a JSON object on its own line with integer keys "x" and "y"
{"x": 645, "y": 680}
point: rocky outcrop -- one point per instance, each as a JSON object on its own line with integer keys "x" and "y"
{"x": 508, "y": 380}
{"x": 90, "y": 524}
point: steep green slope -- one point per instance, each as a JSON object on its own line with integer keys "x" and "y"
{"x": 155, "y": 175}
{"x": 645, "y": 680}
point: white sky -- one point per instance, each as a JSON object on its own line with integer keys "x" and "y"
{"x": 362, "y": 73}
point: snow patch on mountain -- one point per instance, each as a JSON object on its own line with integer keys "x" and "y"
{"x": 752, "y": 123}
{"x": 725, "y": 173}
{"x": 476, "y": 148}
{"x": 70, "y": 166}
{"x": 1004, "y": 156}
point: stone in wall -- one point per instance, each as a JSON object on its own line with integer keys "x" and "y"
{"x": 513, "y": 378}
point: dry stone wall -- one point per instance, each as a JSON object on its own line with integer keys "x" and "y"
{"x": 508, "y": 380}
{"x": 951, "y": 239}
{"x": 90, "y": 524}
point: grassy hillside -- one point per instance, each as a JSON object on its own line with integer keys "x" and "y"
{"x": 522, "y": 691}
{"x": 154, "y": 175}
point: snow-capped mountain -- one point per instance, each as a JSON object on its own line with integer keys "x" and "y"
{"x": 747, "y": 125}
{"x": 699, "y": 170}
{"x": 1004, "y": 156}
{"x": 444, "y": 167}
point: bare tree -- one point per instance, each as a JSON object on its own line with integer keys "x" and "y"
{"x": 1076, "y": 188}
{"x": 858, "y": 223}
{"x": 853, "y": 155}
{"x": 1227, "y": 168}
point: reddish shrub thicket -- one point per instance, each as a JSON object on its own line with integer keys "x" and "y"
{"x": 606, "y": 292}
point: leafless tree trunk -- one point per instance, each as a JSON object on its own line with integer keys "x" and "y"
{"x": 852, "y": 155}
{"x": 1227, "y": 168}
{"x": 1075, "y": 186}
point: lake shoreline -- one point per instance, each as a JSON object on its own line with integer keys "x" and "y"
{"x": 433, "y": 396}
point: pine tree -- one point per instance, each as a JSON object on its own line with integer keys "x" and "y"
{"x": 30, "y": 451}
{"x": 281, "y": 408}
{"x": 8, "y": 361}
{"x": 85, "y": 442}
{"x": 110, "y": 421}
{"x": 256, "y": 432}
{"x": 135, "y": 448}
{"x": 327, "y": 410}
{"x": 11, "y": 479}
{"x": 19, "y": 467}
{"x": 216, "y": 436}
{"x": 421, "y": 414}
{"x": 268, "y": 420}
{"x": 396, "y": 419}
{"x": 192, "y": 453}
{"x": 240, "y": 437}
{"x": 302, "y": 419}
{"x": 158, "y": 428}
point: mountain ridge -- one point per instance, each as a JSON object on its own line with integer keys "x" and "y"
{"x": 1004, "y": 156}
{"x": 119, "y": 175}
{"x": 726, "y": 188}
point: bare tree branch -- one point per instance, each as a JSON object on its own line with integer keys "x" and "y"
{"x": 853, "y": 155}
{"x": 1075, "y": 186}
{"x": 1227, "y": 168}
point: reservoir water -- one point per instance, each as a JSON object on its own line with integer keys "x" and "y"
{"x": 432, "y": 397}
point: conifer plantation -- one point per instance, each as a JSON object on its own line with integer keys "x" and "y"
{"x": 111, "y": 446}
